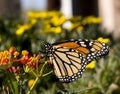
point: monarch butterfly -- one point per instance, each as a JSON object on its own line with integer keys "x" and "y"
{"x": 69, "y": 58}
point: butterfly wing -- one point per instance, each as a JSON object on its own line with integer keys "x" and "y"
{"x": 90, "y": 49}
{"x": 96, "y": 49}
{"x": 68, "y": 63}
{"x": 69, "y": 58}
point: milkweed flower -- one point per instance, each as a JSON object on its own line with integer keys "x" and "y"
{"x": 105, "y": 40}
{"x": 25, "y": 59}
{"x": 31, "y": 61}
{"x": 14, "y": 69}
{"x": 34, "y": 61}
{"x": 91, "y": 65}
{"x": 7, "y": 57}
{"x": 12, "y": 50}
{"x": 16, "y": 54}
{"x": 4, "y": 57}
{"x": 25, "y": 52}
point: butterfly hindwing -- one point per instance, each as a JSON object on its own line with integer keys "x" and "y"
{"x": 95, "y": 49}
{"x": 70, "y": 66}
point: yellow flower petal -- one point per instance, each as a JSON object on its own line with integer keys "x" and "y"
{"x": 56, "y": 20}
{"x": 36, "y": 15}
{"x": 58, "y": 29}
{"x": 91, "y": 65}
{"x": 91, "y": 20}
{"x": 105, "y": 40}
{"x": 22, "y": 28}
{"x": 33, "y": 21}
{"x": 20, "y": 31}
{"x": 53, "y": 30}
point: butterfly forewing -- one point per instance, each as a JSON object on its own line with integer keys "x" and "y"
{"x": 90, "y": 49}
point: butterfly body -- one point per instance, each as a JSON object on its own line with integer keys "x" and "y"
{"x": 70, "y": 58}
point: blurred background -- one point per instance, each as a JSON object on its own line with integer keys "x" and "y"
{"x": 108, "y": 10}
{"x": 25, "y": 23}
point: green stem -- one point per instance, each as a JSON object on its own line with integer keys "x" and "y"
{"x": 37, "y": 78}
{"x": 40, "y": 74}
{"x": 47, "y": 73}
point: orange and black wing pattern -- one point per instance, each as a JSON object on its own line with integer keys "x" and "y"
{"x": 90, "y": 49}
{"x": 70, "y": 58}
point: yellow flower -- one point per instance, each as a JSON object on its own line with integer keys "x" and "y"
{"x": 79, "y": 28}
{"x": 74, "y": 26}
{"x": 30, "y": 82}
{"x": 33, "y": 21}
{"x": 53, "y": 13}
{"x": 56, "y": 20}
{"x": 22, "y": 28}
{"x": 91, "y": 65}
{"x": 91, "y": 20}
{"x": 20, "y": 31}
{"x": 56, "y": 30}
{"x": 36, "y": 15}
{"x": 105, "y": 40}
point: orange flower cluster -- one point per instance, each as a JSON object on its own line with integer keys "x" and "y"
{"x": 8, "y": 57}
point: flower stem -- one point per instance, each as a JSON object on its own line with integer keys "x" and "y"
{"x": 37, "y": 78}
{"x": 47, "y": 73}
{"x": 33, "y": 85}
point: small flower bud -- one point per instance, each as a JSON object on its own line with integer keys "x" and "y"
{"x": 25, "y": 52}
{"x": 12, "y": 50}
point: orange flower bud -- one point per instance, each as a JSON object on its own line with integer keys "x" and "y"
{"x": 12, "y": 50}
{"x": 16, "y": 54}
{"x": 25, "y": 52}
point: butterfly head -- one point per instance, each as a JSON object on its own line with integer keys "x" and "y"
{"x": 48, "y": 47}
